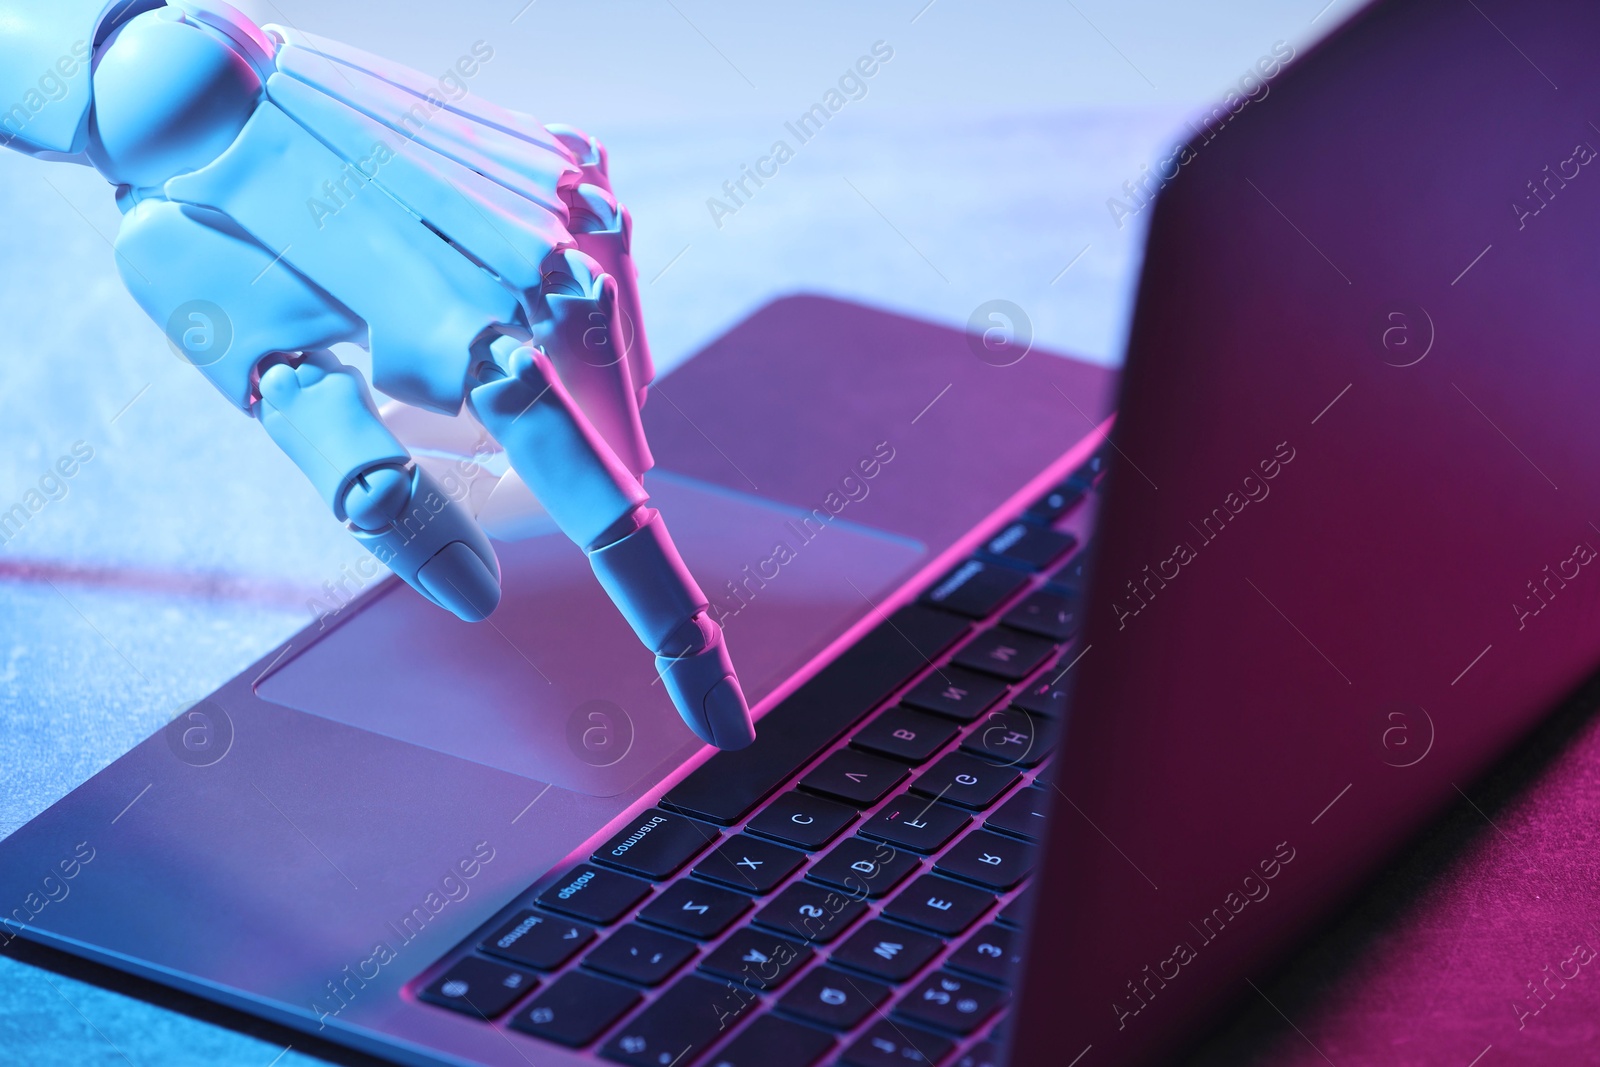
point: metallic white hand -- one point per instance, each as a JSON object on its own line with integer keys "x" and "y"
{"x": 282, "y": 193}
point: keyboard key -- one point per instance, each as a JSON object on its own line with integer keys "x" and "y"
{"x": 940, "y": 905}
{"x": 801, "y": 820}
{"x": 594, "y": 895}
{"x": 863, "y": 868}
{"x": 947, "y": 1001}
{"x": 535, "y": 940}
{"x": 916, "y": 823}
{"x": 976, "y": 589}
{"x": 1005, "y": 653}
{"x": 810, "y": 912}
{"x": 983, "y": 1054}
{"x": 1057, "y": 502}
{"x": 965, "y": 780}
{"x": 1023, "y": 815}
{"x": 774, "y": 1042}
{"x": 1047, "y": 696}
{"x": 750, "y": 864}
{"x": 575, "y": 1009}
{"x": 695, "y": 910}
{"x": 1012, "y": 737}
{"x": 1028, "y": 545}
{"x": 887, "y": 951}
{"x": 855, "y": 778}
{"x": 1093, "y": 468}
{"x": 1072, "y": 577}
{"x": 639, "y": 954}
{"x": 729, "y": 785}
{"x": 757, "y": 959}
{"x": 478, "y": 987}
{"x": 904, "y": 734}
{"x": 889, "y": 1044}
{"x": 688, "y": 1018}
{"x": 956, "y": 694}
{"x": 833, "y": 999}
{"x": 655, "y": 845}
{"x": 1047, "y": 613}
{"x": 1016, "y": 913}
{"x": 989, "y": 859}
{"x": 990, "y": 953}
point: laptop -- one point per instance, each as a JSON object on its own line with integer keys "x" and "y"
{"x": 1002, "y": 807}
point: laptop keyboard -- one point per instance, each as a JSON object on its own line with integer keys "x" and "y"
{"x": 849, "y": 889}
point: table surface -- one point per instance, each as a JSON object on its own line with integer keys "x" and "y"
{"x": 188, "y": 546}
{"x": 1434, "y": 964}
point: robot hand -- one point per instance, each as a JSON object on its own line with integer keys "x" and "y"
{"x": 282, "y": 193}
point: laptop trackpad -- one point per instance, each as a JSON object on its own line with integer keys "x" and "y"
{"x": 555, "y": 687}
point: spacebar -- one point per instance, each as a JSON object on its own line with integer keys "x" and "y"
{"x": 729, "y": 784}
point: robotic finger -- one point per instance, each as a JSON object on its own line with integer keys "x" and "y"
{"x": 321, "y": 415}
{"x": 602, "y": 508}
{"x": 584, "y": 335}
{"x": 603, "y": 230}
